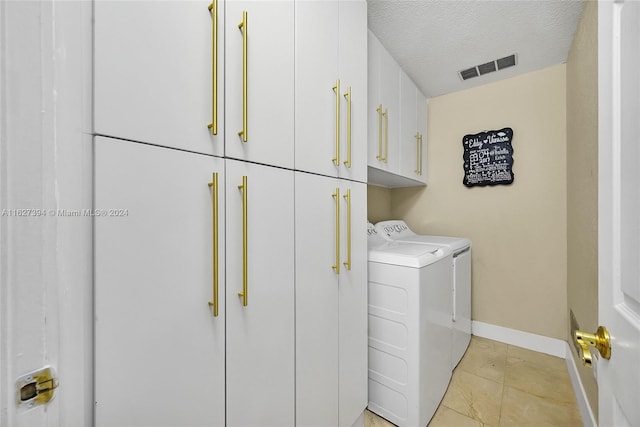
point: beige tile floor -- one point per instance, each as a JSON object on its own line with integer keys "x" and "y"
{"x": 501, "y": 385}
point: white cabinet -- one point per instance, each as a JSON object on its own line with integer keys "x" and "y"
{"x": 260, "y": 334}
{"x": 421, "y": 107}
{"x": 352, "y": 61}
{"x": 412, "y": 127}
{"x": 155, "y": 331}
{"x": 331, "y": 301}
{"x": 153, "y": 73}
{"x": 259, "y": 76}
{"x": 352, "y": 293}
{"x": 331, "y": 88}
{"x": 160, "y": 351}
{"x": 384, "y": 107}
{"x": 396, "y": 121}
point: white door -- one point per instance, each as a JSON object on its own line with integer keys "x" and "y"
{"x": 318, "y": 95}
{"x": 331, "y": 301}
{"x": 259, "y": 81}
{"x": 45, "y": 255}
{"x": 159, "y": 350}
{"x": 153, "y": 73}
{"x": 352, "y": 63}
{"x": 260, "y": 328}
{"x": 408, "y": 142}
{"x": 318, "y": 230}
{"x": 619, "y": 210}
{"x": 422, "y": 130}
{"x": 352, "y": 303}
{"x": 375, "y": 123}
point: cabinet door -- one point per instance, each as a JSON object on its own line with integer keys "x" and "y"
{"x": 352, "y": 306}
{"x": 409, "y": 141}
{"x": 318, "y": 98}
{"x": 375, "y": 130}
{"x": 390, "y": 99}
{"x": 317, "y": 255}
{"x": 260, "y": 334}
{"x": 422, "y": 130}
{"x": 159, "y": 351}
{"x": 353, "y": 78}
{"x": 153, "y": 76}
{"x": 259, "y": 74}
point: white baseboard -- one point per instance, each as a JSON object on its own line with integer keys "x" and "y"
{"x": 588, "y": 419}
{"x": 541, "y": 344}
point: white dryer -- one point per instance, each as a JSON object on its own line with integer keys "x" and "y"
{"x": 398, "y": 230}
{"x": 409, "y": 329}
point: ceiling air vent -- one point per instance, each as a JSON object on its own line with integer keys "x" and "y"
{"x": 469, "y": 73}
{"x": 488, "y": 67}
{"x": 507, "y": 61}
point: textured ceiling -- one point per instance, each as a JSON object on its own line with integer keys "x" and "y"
{"x": 434, "y": 39}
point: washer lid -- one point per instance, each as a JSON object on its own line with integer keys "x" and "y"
{"x": 455, "y": 244}
{"x": 407, "y": 254}
{"x": 394, "y": 229}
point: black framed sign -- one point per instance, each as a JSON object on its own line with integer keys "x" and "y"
{"x": 488, "y": 158}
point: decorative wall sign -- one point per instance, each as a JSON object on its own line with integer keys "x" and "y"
{"x": 488, "y": 158}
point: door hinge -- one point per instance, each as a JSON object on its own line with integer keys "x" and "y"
{"x": 36, "y": 388}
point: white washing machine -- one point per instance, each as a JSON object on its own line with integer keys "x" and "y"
{"x": 397, "y": 230}
{"x": 409, "y": 329}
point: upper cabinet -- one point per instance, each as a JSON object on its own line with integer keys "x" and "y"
{"x": 396, "y": 122}
{"x": 207, "y": 77}
{"x": 155, "y": 79}
{"x": 413, "y": 120}
{"x": 384, "y": 107}
{"x": 259, "y": 75}
{"x": 331, "y": 88}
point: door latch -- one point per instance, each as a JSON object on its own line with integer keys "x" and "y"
{"x": 36, "y": 388}
{"x": 600, "y": 340}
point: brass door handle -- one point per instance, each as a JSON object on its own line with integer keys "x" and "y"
{"x": 336, "y": 196}
{"x": 379, "y": 111}
{"x": 243, "y": 26}
{"x": 421, "y": 154}
{"x": 214, "y": 186}
{"x": 245, "y": 270}
{"x": 347, "y": 96}
{"x": 336, "y": 89}
{"x": 386, "y": 135}
{"x": 347, "y": 197}
{"x": 418, "y": 160}
{"x": 213, "y": 8}
{"x": 600, "y": 340}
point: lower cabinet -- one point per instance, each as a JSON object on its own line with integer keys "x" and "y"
{"x": 331, "y": 300}
{"x": 260, "y": 328}
{"x": 162, "y": 358}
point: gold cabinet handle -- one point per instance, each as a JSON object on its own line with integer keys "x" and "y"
{"x": 347, "y": 197}
{"x": 245, "y": 281}
{"x": 386, "y": 135}
{"x": 417, "y": 137}
{"x": 336, "y": 89}
{"x": 380, "y": 113}
{"x": 213, "y": 8}
{"x": 214, "y": 185}
{"x": 600, "y": 340}
{"x": 421, "y": 158}
{"x": 336, "y": 196}
{"x": 347, "y": 95}
{"x": 244, "y": 30}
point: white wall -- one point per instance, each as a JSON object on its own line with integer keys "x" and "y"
{"x": 519, "y": 231}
